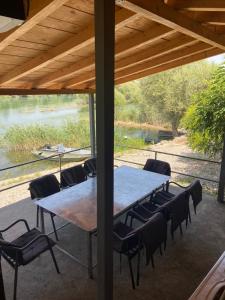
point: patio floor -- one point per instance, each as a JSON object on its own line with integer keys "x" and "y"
{"x": 177, "y": 273}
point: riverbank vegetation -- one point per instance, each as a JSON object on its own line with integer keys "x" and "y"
{"x": 71, "y": 134}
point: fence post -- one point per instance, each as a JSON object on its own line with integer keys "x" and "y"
{"x": 221, "y": 187}
{"x": 155, "y": 155}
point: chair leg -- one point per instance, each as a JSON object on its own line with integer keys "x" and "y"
{"x": 131, "y": 272}
{"x": 15, "y": 282}
{"x": 37, "y": 216}
{"x": 181, "y": 230}
{"x": 160, "y": 250}
{"x": 138, "y": 267}
{"x": 120, "y": 263}
{"x": 53, "y": 224}
{"x": 54, "y": 260}
{"x": 152, "y": 261}
{"x": 189, "y": 215}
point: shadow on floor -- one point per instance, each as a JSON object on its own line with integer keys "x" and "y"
{"x": 177, "y": 273}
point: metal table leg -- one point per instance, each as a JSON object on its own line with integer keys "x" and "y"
{"x": 90, "y": 263}
{"x": 42, "y": 220}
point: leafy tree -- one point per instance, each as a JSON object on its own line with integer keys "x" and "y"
{"x": 205, "y": 119}
{"x": 168, "y": 94}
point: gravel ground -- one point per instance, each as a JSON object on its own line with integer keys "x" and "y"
{"x": 177, "y": 146}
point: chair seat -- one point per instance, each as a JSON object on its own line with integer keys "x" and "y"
{"x": 129, "y": 248}
{"x": 143, "y": 212}
{"x": 150, "y": 206}
{"x": 32, "y": 251}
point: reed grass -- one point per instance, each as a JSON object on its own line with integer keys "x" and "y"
{"x": 70, "y": 134}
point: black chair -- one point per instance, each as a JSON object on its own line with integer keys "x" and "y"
{"x": 126, "y": 241}
{"x": 178, "y": 209}
{"x": 72, "y": 176}
{"x": 158, "y": 166}
{"x": 154, "y": 234}
{"x": 25, "y": 249}
{"x": 194, "y": 190}
{"x": 129, "y": 241}
{"x": 90, "y": 167}
{"x": 43, "y": 187}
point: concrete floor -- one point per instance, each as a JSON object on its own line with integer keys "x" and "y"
{"x": 177, "y": 273}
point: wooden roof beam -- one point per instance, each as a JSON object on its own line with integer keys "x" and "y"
{"x": 173, "y": 56}
{"x": 16, "y": 91}
{"x": 154, "y": 33}
{"x": 82, "y": 39}
{"x": 200, "y": 5}
{"x": 146, "y": 54}
{"x": 159, "y": 12}
{"x": 167, "y": 66}
{"x": 38, "y": 11}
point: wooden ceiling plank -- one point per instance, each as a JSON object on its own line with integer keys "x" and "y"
{"x": 146, "y": 54}
{"x": 169, "y": 65}
{"x": 139, "y": 39}
{"x": 159, "y": 12}
{"x": 76, "y": 42}
{"x": 200, "y": 5}
{"x": 14, "y": 91}
{"x": 173, "y": 56}
{"x": 140, "y": 65}
{"x": 39, "y": 10}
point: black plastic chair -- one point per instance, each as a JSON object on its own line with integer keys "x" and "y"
{"x": 194, "y": 190}
{"x": 72, "y": 176}
{"x": 43, "y": 187}
{"x": 25, "y": 249}
{"x": 154, "y": 234}
{"x": 90, "y": 167}
{"x": 158, "y": 166}
{"x": 126, "y": 241}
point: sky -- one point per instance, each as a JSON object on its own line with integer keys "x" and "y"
{"x": 218, "y": 58}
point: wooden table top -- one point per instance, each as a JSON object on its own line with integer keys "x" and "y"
{"x": 78, "y": 204}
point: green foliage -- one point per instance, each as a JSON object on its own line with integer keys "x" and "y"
{"x": 205, "y": 119}
{"x": 24, "y": 138}
{"x": 168, "y": 94}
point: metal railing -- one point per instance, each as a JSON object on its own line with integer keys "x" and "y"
{"x": 59, "y": 155}
{"x": 156, "y": 152}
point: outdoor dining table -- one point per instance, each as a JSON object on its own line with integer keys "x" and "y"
{"x": 78, "y": 204}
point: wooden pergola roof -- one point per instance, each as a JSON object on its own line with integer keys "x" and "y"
{"x": 53, "y": 51}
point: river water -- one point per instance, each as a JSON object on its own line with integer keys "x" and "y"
{"x": 51, "y": 111}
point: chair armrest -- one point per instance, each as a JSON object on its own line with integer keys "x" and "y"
{"x": 16, "y": 222}
{"x": 135, "y": 215}
{"x": 181, "y": 186}
{"x": 34, "y": 240}
{"x": 123, "y": 238}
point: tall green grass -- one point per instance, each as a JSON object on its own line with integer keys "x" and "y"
{"x": 71, "y": 134}
{"x": 30, "y": 137}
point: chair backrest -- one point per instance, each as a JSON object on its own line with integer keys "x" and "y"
{"x": 73, "y": 175}
{"x": 179, "y": 209}
{"x": 153, "y": 234}
{"x": 158, "y": 166}
{"x": 90, "y": 166}
{"x": 44, "y": 186}
{"x": 195, "y": 191}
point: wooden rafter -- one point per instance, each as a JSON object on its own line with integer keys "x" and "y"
{"x": 173, "y": 56}
{"x": 158, "y": 11}
{"x": 38, "y": 11}
{"x": 141, "y": 56}
{"x": 167, "y": 66}
{"x": 14, "y": 91}
{"x": 154, "y": 33}
{"x": 77, "y": 42}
